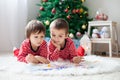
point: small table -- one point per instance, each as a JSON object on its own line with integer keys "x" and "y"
{"x": 113, "y": 34}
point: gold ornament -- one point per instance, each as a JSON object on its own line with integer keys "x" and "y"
{"x": 83, "y": 26}
{"x": 81, "y": 10}
{"x": 47, "y": 22}
{"x": 85, "y": 12}
{"x": 80, "y": 16}
{"x": 71, "y": 35}
{"x": 83, "y": 0}
{"x": 68, "y": 7}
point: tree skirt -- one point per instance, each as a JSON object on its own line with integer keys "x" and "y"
{"x": 91, "y": 65}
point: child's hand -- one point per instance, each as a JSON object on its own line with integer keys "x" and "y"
{"x": 56, "y": 45}
{"x": 78, "y": 59}
{"x": 42, "y": 59}
{"x": 31, "y": 59}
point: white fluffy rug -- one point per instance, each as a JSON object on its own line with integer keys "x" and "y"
{"x": 91, "y": 65}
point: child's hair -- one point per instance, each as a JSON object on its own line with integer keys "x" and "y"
{"x": 60, "y": 24}
{"x": 34, "y": 26}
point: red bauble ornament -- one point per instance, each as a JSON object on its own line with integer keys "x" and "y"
{"x": 41, "y": 8}
{"x": 53, "y": 10}
{"x": 45, "y": 0}
{"x": 74, "y": 11}
{"x": 80, "y": 51}
{"x": 66, "y": 10}
{"x": 101, "y": 16}
{"x": 77, "y": 10}
{"x": 105, "y": 17}
{"x": 78, "y": 34}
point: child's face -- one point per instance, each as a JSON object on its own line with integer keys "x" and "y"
{"x": 36, "y": 39}
{"x": 58, "y": 36}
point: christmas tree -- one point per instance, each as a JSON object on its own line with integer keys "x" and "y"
{"x": 71, "y": 10}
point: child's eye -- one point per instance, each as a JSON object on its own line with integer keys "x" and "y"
{"x": 53, "y": 35}
{"x": 60, "y": 36}
{"x": 42, "y": 36}
{"x": 36, "y": 37}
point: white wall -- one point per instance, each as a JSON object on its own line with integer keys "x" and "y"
{"x": 32, "y": 9}
{"x": 13, "y": 18}
{"x": 109, "y": 7}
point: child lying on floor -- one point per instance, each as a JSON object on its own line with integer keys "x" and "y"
{"x": 60, "y": 46}
{"x": 34, "y": 48}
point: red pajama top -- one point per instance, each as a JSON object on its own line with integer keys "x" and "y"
{"x": 26, "y": 49}
{"x": 67, "y": 53}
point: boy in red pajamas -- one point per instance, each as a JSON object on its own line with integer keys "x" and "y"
{"x": 34, "y": 48}
{"x": 60, "y": 46}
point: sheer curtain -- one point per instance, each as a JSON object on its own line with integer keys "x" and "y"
{"x": 13, "y": 18}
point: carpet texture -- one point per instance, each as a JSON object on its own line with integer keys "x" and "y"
{"x": 91, "y": 65}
